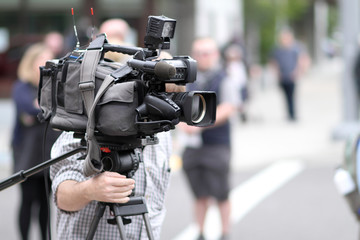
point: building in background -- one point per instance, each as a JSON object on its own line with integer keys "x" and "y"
{"x": 23, "y": 22}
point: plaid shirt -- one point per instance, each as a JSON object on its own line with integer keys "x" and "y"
{"x": 151, "y": 180}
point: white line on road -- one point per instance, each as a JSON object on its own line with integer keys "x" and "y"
{"x": 246, "y": 197}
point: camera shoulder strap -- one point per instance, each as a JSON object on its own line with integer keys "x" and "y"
{"x": 88, "y": 69}
{"x": 92, "y": 161}
{"x": 93, "y": 164}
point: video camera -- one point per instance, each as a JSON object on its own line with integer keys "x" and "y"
{"x": 122, "y": 105}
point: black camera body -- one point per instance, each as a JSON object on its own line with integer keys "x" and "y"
{"x": 109, "y": 103}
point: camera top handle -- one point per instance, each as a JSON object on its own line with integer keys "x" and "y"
{"x": 129, "y": 50}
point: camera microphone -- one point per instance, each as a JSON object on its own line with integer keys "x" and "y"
{"x": 164, "y": 70}
{"x": 161, "y": 69}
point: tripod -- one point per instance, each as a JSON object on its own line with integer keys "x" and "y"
{"x": 123, "y": 162}
{"x": 135, "y": 206}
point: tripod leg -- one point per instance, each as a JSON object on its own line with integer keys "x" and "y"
{"x": 135, "y": 206}
{"x": 121, "y": 227}
{"x": 148, "y": 226}
{"x": 99, "y": 212}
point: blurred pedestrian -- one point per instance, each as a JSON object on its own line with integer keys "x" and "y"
{"x": 357, "y": 69}
{"x": 28, "y": 136}
{"x": 207, "y": 165}
{"x": 286, "y": 58}
{"x": 236, "y": 71}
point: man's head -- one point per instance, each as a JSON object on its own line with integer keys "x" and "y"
{"x": 286, "y": 38}
{"x": 116, "y": 29}
{"x": 206, "y": 52}
{"x": 55, "y": 42}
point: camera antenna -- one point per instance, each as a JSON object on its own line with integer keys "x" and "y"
{"x": 75, "y": 31}
{"x": 93, "y": 24}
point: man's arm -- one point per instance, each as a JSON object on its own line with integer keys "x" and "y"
{"x": 224, "y": 112}
{"x": 105, "y": 187}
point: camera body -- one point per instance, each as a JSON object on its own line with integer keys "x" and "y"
{"x": 123, "y": 104}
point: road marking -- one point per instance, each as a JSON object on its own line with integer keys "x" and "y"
{"x": 246, "y": 197}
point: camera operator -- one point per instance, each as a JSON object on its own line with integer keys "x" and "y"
{"x": 76, "y": 196}
{"x": 207, "y": 165}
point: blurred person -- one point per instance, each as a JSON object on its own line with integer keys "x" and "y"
{"x": 76, "y": 196}
{"x": 207, "y": 163}
{"x": 27, "y": 141}
{"x": 236, "y": 71}
{"x": 116, "y": 30}
{"x": 357, "y": 69}
{"x": 55, "y": 42}
{"x": 286, "y": 59}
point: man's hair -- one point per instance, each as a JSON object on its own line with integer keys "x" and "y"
{"x": 115, "y": 28}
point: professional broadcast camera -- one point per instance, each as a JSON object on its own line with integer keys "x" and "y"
{"x": 122, "y": 106}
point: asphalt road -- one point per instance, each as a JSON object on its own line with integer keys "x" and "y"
{"x": 305, "y": 207}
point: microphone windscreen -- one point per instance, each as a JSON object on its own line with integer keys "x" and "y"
{"x": 164, "y": 71}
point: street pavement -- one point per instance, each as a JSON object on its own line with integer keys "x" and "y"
{"x": 281, "y": 171}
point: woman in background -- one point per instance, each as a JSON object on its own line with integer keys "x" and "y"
{"x": 27, "y": 141}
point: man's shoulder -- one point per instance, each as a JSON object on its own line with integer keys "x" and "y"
{"x": 218, "y": 74}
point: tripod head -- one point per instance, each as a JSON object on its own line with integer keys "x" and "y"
{"x": 120, "y": 154}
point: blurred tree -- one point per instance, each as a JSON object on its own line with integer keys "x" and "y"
{"x": 333, "y": 19}
{"x": 269, "y": 16}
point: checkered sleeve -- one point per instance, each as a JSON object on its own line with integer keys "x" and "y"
{"x": 69, "y": 168}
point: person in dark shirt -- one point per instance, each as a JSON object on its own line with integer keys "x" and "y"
{"x": 207, "y": 165}
{"x": 286, "y": 60}
{"x": 27, "y": 141}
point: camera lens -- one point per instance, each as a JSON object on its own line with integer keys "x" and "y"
{"x": 198, "y": 108}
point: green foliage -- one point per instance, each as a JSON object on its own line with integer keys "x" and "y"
{"x": 333, "y": 19}
{"x": 296, "y": 9}
{"x": 269, "y": 15}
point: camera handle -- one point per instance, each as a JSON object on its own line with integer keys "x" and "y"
{"x": 135, "y": 206}
{"x": 22, "y": 175}
{"x": 144, "y": 53}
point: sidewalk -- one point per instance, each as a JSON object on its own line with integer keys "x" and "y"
{"x": 268, "y": 136}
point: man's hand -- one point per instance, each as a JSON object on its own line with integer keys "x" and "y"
{"x": 110, "y": 187}
{"x": 105, "y": 187}
{"x": 172, "y": 87}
